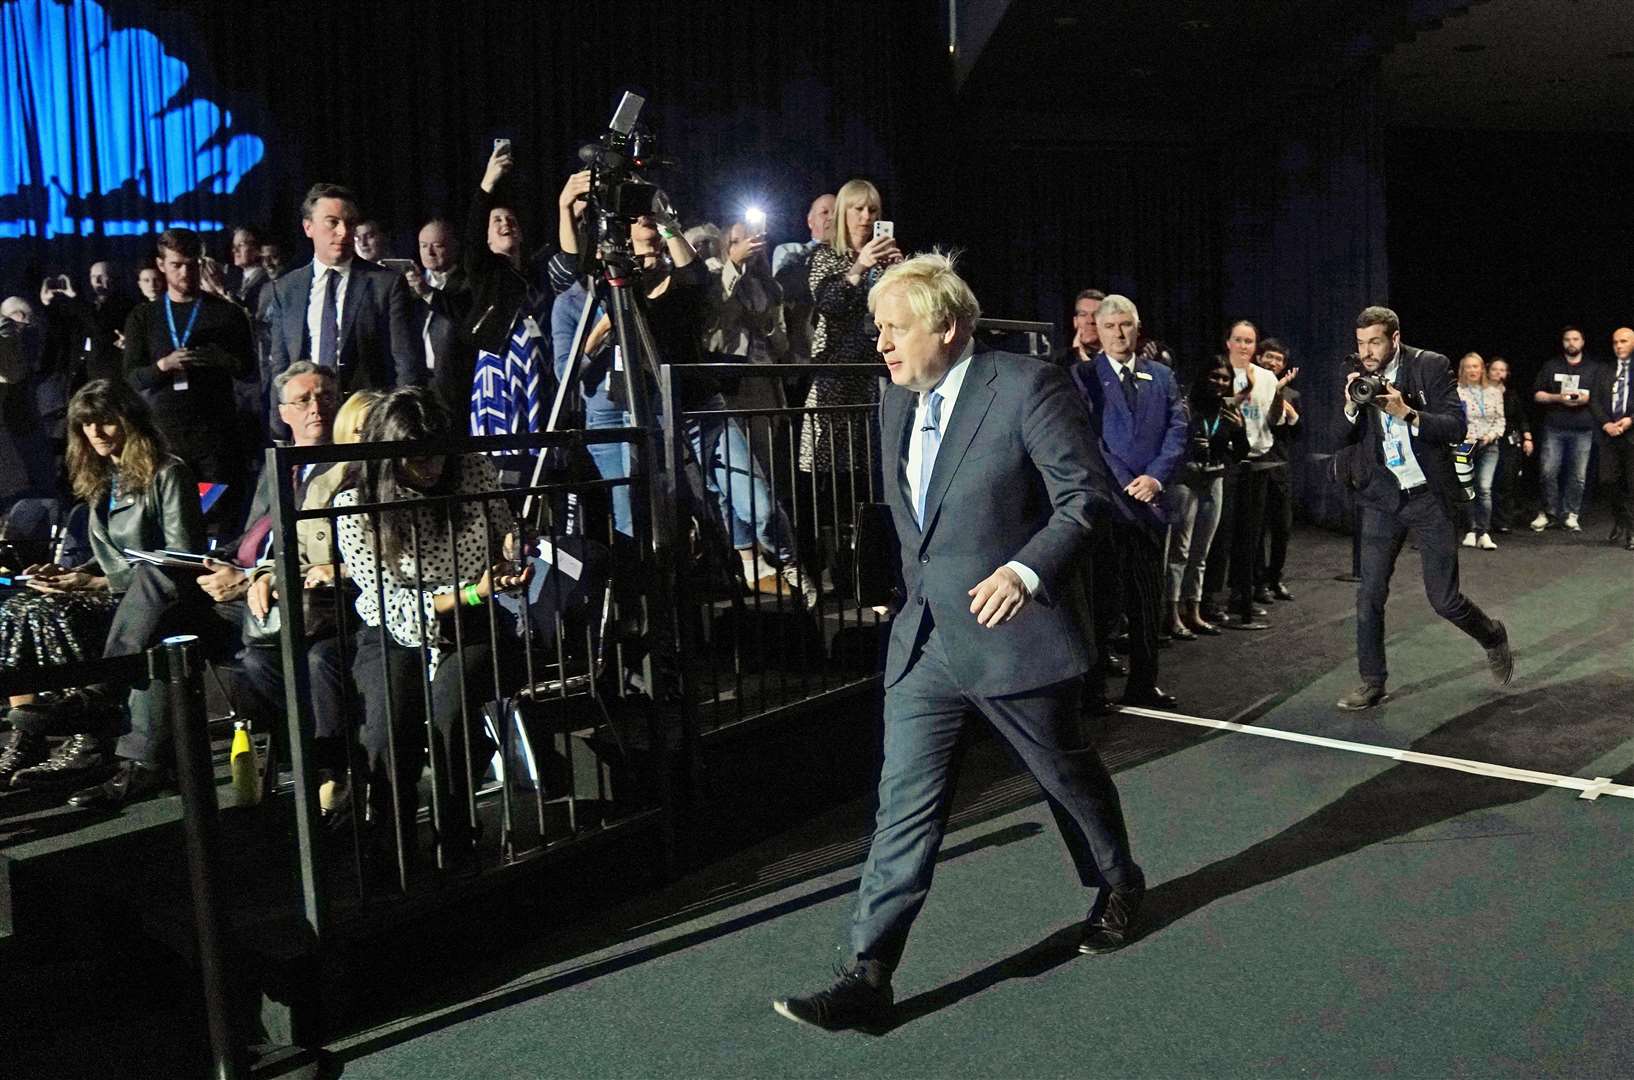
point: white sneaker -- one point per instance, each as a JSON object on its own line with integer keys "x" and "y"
{"x": 801, "y": 584}
{"x": 1540, "y": 522}
{"x": 1469, "y": 539}
{"x": 1486, "y": 544}
{"x": 1571, "y": 523}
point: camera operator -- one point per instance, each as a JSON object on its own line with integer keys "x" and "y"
{"x": 1404, "y": 419}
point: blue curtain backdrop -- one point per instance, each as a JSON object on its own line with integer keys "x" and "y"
{"x": 103, "y": 132}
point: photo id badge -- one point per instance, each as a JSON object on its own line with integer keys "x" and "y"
{"x": 179, "y": 380}
{"x": 1394, "y": 455}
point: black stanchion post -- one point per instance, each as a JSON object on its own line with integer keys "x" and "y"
{"x": 176, "y": 665}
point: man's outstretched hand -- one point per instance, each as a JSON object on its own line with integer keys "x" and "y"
{"x": 998, "y": 598}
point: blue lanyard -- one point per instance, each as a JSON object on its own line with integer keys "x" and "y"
{"x": 1211, "y": 429}
{"x": 192, "y": 318}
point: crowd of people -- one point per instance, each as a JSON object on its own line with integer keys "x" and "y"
{"x": 152, "y": 412}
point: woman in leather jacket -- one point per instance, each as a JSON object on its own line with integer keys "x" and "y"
{"x": 140, "y": 497}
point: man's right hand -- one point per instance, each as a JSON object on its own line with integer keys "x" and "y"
{"x": 417, "y": 284}
{"x": 1612, "y": 428}
{"x": 176, "y": 361}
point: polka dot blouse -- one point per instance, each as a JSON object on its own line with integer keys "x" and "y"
{"x": 411, "y": 591}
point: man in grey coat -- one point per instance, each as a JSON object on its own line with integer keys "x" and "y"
{"x": 991, "y": 489}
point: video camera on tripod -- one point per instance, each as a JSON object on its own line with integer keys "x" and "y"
{"x": 619, "y": 193}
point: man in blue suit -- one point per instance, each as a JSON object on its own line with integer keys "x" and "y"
{"x": 340, "y": 311}
{"x": 1136, "y": 416}
{"x": 992, "y": 479}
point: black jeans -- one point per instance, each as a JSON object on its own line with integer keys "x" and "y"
{"x": 1383, "y": 533}
{"x": 392, "y": 680}
{"x": 1279, "y": 522}
{"x": 1235, "y": 556}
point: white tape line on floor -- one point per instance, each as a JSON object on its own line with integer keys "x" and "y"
{"x": 1586, "y": 789}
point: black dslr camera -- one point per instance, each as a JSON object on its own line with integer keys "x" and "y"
{"x": 1366, "y": 385}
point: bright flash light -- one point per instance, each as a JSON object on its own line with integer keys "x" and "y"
{"x": 754, "y": 217}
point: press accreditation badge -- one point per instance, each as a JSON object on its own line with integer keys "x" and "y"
{"x": 531, "y": 327}
{"x": 1394, "y": 455}
{"x": 179, "y": 381}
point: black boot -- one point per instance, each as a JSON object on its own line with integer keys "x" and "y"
{"x": 22, "y": 750}
{"x": 81, "y": 760}
{"x": 131, "y": 782}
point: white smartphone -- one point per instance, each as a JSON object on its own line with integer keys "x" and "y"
{"x": 502, "y": 146}
{"x": 884, "y": 228}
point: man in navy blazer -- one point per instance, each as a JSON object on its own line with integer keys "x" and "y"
{"x": 992, "y": 478}
{"x": 1136, "y": 415}
{"x": 340, "y": 311}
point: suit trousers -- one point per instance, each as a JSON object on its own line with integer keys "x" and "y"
{"x": 925, "y": 713}
{"x": 1617, "y": 477}
{"x": 1126, "y": 574}
{"x": 1383, "y": 533}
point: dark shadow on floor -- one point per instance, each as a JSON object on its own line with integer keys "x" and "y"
{"x": 1396, "y": 802}
{"x": 1008, "y": 835}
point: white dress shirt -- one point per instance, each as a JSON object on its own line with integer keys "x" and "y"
{"x": 437, "y": 279}
{"x": 948, "y": 388}
{"x": 1408, "y": 473}
{"x": 314, "y": 302}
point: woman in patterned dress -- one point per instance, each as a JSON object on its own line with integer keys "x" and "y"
{"x": 834, "y": 447}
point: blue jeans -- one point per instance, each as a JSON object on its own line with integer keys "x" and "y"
{"x": 737, "y": 485}
{"x": 1568, "y": 450}
{"x": 612, "y": 460}
{"x": 1486, "y": 469}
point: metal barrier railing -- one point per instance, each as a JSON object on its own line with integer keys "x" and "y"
{"x": 773, "y": 489}
{"x": 554, "y": 688}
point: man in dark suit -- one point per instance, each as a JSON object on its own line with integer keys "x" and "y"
{"x": 339, "y": 311}
{"x": 445, "y": 300}
{"x": 991, "y": 490}
{"x": 1135, "y": 414}
{"x": 1402, "y": 468}
{"x": 1612, "y": 402}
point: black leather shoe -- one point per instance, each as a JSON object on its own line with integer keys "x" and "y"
{"x": 1257, "y": 611}
{"x": 1264, "y": 596}
{"x": 1112, "y": 926}
{"x": 1280, "y": 591}
{"x": 22, "y": 750}
{"x": 1098, "y": 705}
{"x": 1245, "y": 621}
{"x": 1113, "y": 664}
{"x": 852, "y": 1002}
{"x": 1499, "y": 660}
{"x": 1152, "y": 697}
{"x": 131, "y": 782}
{"x": 81, "y": 759}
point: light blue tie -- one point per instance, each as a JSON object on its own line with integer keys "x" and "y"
{"x": 931, "y": 434}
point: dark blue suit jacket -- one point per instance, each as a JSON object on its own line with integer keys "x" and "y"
{"x": 378, "y": 346}
{"x": 1017, "y": 478}
{"x": 1151, "y": 441}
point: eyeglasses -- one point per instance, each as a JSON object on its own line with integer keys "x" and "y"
{"x": 306, "y": 401}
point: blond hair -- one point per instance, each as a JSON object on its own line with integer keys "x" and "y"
{"x": 353, "y": 415}
{"x": 934, "y": 290}
{"x": 850, "y": 194}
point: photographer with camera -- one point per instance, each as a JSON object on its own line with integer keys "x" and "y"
{"x": 1405, "y": 414}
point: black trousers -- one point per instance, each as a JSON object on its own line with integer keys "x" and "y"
{"x": 1383, "y": 533}
{"x": 159, "y": 603}
{"x": 1617, "y": 477}
{"x": 1279, "y": 522}
{"x": 1506, "y": 485}
{"x": 1235, "y": 555}
{"x": 1126, "y": 576}
{"x": 392, "y": 680}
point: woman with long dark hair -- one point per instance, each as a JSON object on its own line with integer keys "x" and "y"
{"x": 425, "y": 575}
{"x": 1214, "y": 439}
{"x": 139, "y": 497}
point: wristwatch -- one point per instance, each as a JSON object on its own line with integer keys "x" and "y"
{"x": 1411, "y": 419}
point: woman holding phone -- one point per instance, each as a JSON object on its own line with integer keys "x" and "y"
{"x": 139, "y": 497}
{"x": 834, "y": 447}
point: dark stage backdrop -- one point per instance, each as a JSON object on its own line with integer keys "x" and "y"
{"x": 773, "y": 102}
{"x": 1498, "y": 239}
